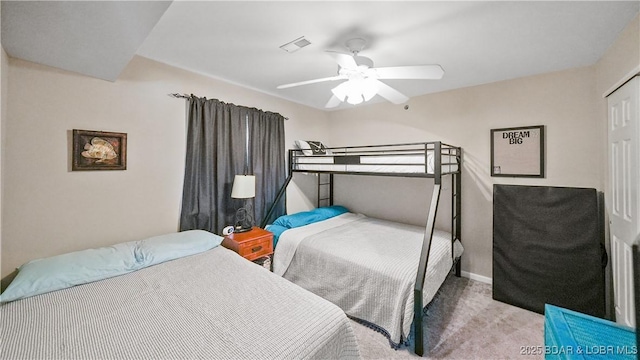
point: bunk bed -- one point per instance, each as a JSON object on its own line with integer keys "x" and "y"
{"x": 432, "y": 160}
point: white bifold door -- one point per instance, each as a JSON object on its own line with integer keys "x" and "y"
{"x": 624, "y": 195}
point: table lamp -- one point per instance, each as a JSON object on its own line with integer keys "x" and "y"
{"x": 244, "y": 187}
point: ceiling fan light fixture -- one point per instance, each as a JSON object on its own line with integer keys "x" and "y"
{"x": 340, "y": 91}
{"x": 355, "y": 99}
{"x": 363, "y": 79}
{"x": 355, "y": 91}
{"x": 369, "y": 89}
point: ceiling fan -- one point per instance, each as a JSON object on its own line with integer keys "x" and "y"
{"x": 363, "y": 80}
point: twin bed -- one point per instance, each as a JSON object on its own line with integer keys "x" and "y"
{"x": 184, "y": 296}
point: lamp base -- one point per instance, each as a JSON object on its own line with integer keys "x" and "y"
{"x": 244, "y": 220}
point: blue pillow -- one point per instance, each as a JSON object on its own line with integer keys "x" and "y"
{"x": 331, "y": 211}
{"x": 309, "y": 217}
{"x": 59, "y": 272}
{"x": 66, "y": 270}
{"x": 277, "y": 230}
{"x": 158, "y": 249}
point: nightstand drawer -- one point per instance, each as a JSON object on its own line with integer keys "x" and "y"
{"x": 252, "y": 244}
{"x": 257, "y": 248}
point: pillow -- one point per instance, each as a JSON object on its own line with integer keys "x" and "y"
{"x": 309, "y": 217}
{"x": 331, "y": 211}
{"x": 158, "y": 249}
{"x": 277, "y": 230}
{"x": 60, "y": 272}
{"x": 66, "y": 270}
{"x": 310, "y": 148}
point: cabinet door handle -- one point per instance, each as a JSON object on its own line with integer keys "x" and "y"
{"x": 257, "y": 248}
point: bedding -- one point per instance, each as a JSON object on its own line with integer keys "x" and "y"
{"x": 80, "y": 267}
{"x": 382, "y": 163}
{"x": 302, "y": 218}
{"x": 366, "y": 266}
{"x": 213, "y": 304}
{"x": 311, "y": 147}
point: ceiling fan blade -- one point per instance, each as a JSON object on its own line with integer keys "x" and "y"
{"x": 333, "y": 102}
{"x": 345, "y": 61}
{"x": 331, "y": 78}
{"x": 421, "y": 72}
{"x": 390, "y": 93}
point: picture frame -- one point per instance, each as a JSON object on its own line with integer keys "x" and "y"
{"x": 98, "y": 150}
{"x": 518, "y": 152}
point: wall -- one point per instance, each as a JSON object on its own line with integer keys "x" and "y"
{"x": 4, "y": 83}
{"x": 569, "y": 103}
{"x": 562, "y": 101}
{"x": 621, "y": 58}
{"x": 620, "y": 61}
{"x": 51, "y": 210}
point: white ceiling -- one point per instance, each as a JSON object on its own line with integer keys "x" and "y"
{"x": 475, "y": 42}
{"x": 93, "y": 38}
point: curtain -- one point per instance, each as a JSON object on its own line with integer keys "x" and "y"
{"x": 215, "y": 153}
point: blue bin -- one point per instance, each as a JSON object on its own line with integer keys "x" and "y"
{"x": 572, "y": 335}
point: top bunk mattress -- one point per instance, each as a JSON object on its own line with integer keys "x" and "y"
{"x": 417, "y": 159}
{"x": 375, "y": 163}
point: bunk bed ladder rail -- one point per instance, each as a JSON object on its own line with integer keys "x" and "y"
{"x": 325, "y": 189}
{"x": 456, "y": 208}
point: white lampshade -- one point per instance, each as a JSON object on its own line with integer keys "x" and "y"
{"x": 244, "y": 187}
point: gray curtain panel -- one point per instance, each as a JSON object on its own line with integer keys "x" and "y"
{"x": 215, "y": 153}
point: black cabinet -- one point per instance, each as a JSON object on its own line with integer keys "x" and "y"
{"x": 548, "y": 248}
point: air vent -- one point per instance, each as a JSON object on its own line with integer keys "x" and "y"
{"x": 295, "y": 45}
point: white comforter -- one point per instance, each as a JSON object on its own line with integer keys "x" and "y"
{"x": 365, "y": 266}
{"x": 213, "y": 305}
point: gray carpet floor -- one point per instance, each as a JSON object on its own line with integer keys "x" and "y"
{"x": 464, "y": 322}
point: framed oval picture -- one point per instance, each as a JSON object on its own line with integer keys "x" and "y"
{"x": 99, "y": 150}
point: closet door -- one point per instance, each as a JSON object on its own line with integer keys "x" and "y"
{"x": 624, "y": 195}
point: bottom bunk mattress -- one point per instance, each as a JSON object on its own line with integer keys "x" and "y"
{"x": 213, "y": 305}
{"x": 366, "y": 266}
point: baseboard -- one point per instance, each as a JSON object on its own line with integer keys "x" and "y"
{"x": 476, "y": 277}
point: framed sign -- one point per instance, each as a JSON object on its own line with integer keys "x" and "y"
{"x": 518, "y": 152}
{"x": 99, "y": 150}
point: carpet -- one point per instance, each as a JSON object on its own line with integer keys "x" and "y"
{"x": 464, "y": 322}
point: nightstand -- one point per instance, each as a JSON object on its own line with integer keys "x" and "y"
{"x": 253, "y": 245}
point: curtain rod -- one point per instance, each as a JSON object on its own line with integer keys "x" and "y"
{"x": 185, "y": 96}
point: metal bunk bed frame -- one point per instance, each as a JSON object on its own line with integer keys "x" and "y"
{"x": 456, "y": 214}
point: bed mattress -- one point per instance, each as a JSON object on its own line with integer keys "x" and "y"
{"x": 383, "y": 163}
{"x": 213, "y": 305}
{"x": 366, "y": 266}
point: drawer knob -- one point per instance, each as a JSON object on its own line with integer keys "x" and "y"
{"x": 257, "y": 248}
